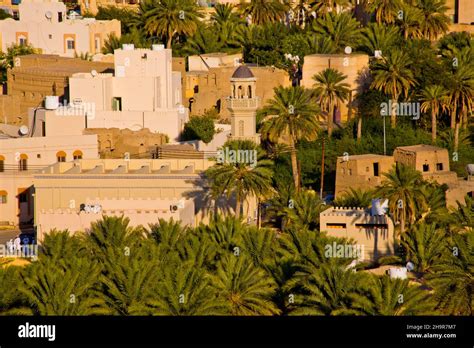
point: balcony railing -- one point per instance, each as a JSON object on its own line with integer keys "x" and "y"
{"x": 243, "y": 102}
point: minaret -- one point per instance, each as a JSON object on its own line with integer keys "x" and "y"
{"x": 243, "y": 104}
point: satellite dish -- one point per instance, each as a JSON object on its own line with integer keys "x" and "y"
{"x": 49, "y": 15}
{"x": 94, "y": 73}
{"x": 348, "y": 50}
{"x": 23, "y": 130}
{"x": 410, "y": 266}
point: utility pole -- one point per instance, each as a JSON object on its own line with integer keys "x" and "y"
{"x": 322, "y": 171}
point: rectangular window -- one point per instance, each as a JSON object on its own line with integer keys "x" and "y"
{"x": 376, "y": 169}
{"x": 60, "y": 17}
{"x": 335, "y": 225}
{"x": 439, "y": 167}
{"x": 23, "y": 164}
{"x": 23, "y": 41}
{"x": 3, "y": 199}
{"x": 2, "y": 166}
{"x": 117, "y": 103}
{"x": 70, "y": 44}
{"x": 426, "y": 167}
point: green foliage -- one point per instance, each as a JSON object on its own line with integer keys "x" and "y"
{"x": 124, "y": 15}
{"x": 4, "y": 15}
{"x": 7, "y": 58}
{"x": 199, "y": 128}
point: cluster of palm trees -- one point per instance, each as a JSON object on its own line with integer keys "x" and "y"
{"x": 228, "y": 268}
{"x": 397, "y": 30}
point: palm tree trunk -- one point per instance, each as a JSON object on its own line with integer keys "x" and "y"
{"x": 294, "y": 164}
{"x": 259, "y": 220}
{"x": 453, "y": 115}
{"x": 359, "y": 128}
{"x": 433, "y": 126}
{"x": 456, "y": 137}
{"x": 330, "y": 118}
{"x": 402, "y": 225}
{"x": 238, "y": 205}
{"x": 393, "y": 114}
{"x": 168, "y": 43}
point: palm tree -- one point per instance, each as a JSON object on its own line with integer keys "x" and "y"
{"x": 385, "y": 10}
{"x": 393, "y": 297}
{"x": 331, "y": 92}
{"x": 326, "y": 6}
{"x": 240, "y": 178}
{"x": 328, "y": 291}
{"x": 424, "y": 246}
{"x": 11, "y": 301}
{"x": 224, "y": 233}
{"x": 264, "y": 11}
{"x": 59, "y": 246}
{"x": 393, "y": 76}
{"x": 402, "y": 187}
{"x": 244, "y": 288}
{"x": 461, "y": 96}
{"x": 434, "y": 19}
{"x": 453, "y": 278}
{"x": 169, "y": 18}
{"x": 355, "y": 198}
{"x": 259, "y": 245}
{"x": 112, "y": 235}
{"x": 379, "y": 37}
{"x": 295, "y": 116}
{"x": 167, "y": 232}
{"x": 127, "y": 282}
{"x": 462, "y": 217}
{"x": 342, "y": 29}
{"x": 54, "y": 289}
{"x": 185, "y": 290}
{"x": 410, "y": 22}
{"x": 434, "y": 98}
{"x": 304, "y": 210}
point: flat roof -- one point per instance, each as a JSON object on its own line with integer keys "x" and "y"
{"x": 365, "y": 156}
{"x": 420, "y": 148}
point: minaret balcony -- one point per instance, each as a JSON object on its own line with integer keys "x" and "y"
{"x": 243, "y": 103}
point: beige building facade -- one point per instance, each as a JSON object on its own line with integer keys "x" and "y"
{"x": 21, "y": 157}
{"x": 365, "y": 172}
{"x": 36, "y": 76}
{"x": 209, "y": 89}
{"x": 45, "y": 25}
{"x": 143, "y": 92}
{"x": 374, "y": 235}
{"x": 155, "y": 188}
{"x": 353, "y": 66}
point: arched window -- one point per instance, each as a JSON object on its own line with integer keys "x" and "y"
{"x": 23, "y": 162}
{"x": 239, "y": 92}
{"x": 61, "y": 156}
{"x": 2, "y": 163}
{"x": 77, "y": 154}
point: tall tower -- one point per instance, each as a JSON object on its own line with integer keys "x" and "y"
{"x": 242, "y": 104}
